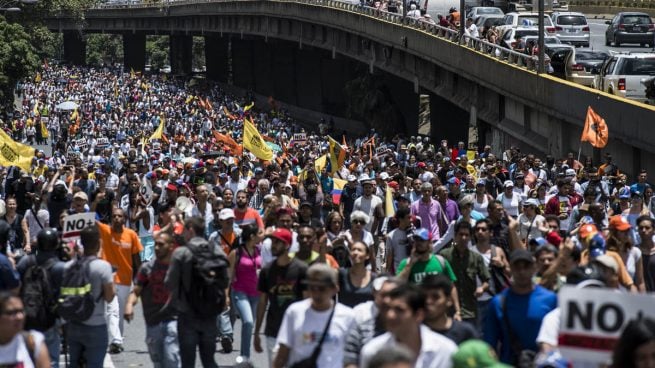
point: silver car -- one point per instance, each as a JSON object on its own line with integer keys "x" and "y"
{"x": 622, "y": 75}
{"x": 572, "y": 28}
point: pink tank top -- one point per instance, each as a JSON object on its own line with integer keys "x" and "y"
{"x": 247, "y": 272}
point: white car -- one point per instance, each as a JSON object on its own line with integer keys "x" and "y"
{"x": 572, "y": 28}
{"x": 622, "y": 75}
{"x": 513, "y": 20}
{"x": 479, "y": 11}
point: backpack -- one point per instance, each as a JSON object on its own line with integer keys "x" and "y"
{"x": 209, "y": 278}
{"x": 76, "y": 302}
{"x": 39, "y": 297}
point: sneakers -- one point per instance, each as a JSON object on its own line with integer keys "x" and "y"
{"x": 115, "y": 348}
{"x": 226, "y": 344}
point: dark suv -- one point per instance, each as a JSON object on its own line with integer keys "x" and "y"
{"x": 630, "y": 27}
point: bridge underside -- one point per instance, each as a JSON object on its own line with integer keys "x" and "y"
{"x": 310, "y": 60}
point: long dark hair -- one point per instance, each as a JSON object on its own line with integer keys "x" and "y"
{"x": 637, "y": 333}
{"x": 247, "y": 232}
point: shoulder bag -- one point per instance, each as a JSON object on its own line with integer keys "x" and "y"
{"x": 312, "y": 361}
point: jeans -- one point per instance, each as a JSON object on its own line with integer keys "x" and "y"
{"x": 148, "y": 252}
{"x": 224, "y": 322}
{"x": 483, "y": 310}
{"x": 88, "y": 341}
{"x": 115, "y": 311}
{"x": 53, "y": 342}
{"x": 197, "y": 332}
{"x": 163, "y": 345}
{"x": 246, "y": 305}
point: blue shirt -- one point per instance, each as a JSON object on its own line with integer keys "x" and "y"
{"x": 525, "y": 314}
{"x": 9, "y": 277}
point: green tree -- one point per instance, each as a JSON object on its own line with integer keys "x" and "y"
{"x": 157, "y": 51}
{"x": 18, "y": 59}
{"x": 104, "y": 49}
{"x": 198, "y": 52}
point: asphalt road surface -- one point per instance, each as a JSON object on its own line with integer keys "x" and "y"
{"x": 136, "y": 351}
{"x": 598, "y": 27}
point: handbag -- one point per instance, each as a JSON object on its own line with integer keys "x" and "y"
{"x": 499, "y": 280}
{"x": 521, "y": 358}
{"x": 313, "y": 359}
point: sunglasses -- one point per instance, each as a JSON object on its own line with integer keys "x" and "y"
{"x": 319, "y": 288}
{"x": 13, "y": 312}
{"x": 360, "y": 222}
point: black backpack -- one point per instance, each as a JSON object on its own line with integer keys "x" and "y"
{"x": 209, "y": 278}
{"x": 76, "y": 302}
{"x": 39, "y": 297}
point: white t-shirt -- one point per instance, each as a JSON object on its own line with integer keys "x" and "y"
{"x": 368, "y": 207}
{"x": 436, "y": 349}
{"x": 16, "y": 354}
{"x": 302, "y": 328}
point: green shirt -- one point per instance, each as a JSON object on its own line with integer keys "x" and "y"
{"x": 430, "y": 267}
{"x": 469, "y": 268}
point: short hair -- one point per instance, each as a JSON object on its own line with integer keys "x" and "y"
{"x": 437, "y": 282}
{"x": 197, "y": 224}
{"x": 264, "y": 181}
{"x": 546, "y": 248}
{"x": 463, "y": 224}
{"x": 494, "y": 204}
{"x": 642, "y": 218}
{"x": 394, "y": 354}
{"x": 483, "y": 221}
{"x": 241, "y": 191}
{"x": 402, "y": 212}
{"x": 589, "y": 192}
{"x": 552, "y": 218}
{"x": 359, "y": 215}
{"x": 90, "y": 239}
{"x": 426, "y": 186}
{"x": 414, "y": 297}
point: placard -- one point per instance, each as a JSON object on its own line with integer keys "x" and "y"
{"x": 593, "y": 319}
{"x": 381, "y": 151}
{"x": 102, "y": 142}
{"x": 300, "y": 138}
{"x": 74, "y": 224}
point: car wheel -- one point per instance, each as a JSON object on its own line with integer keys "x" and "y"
{"x": 607, "y": 42}
{"x": 642, "y": 44}
{"x": 587, "y": 45}
{"x": 617, "y": 43}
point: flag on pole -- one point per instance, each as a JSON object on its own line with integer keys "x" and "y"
{"x": 36, "y": 108}
{"x": 253, "y": 142}
{"x": 389, "y": 208}
{"x": 337, "y": 155}
{"x": 15, "y": 154}
{"x": 235, "y": 148}
{"x": 595, "y": 129}
{"x": 339, "y": 184}
{"x": 38, "y": 77}
{"x": 248, "y": 107}
{"x": 159, "y": 131}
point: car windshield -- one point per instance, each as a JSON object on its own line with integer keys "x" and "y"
{"x": 531, "y": 20}
{"x": 591, "y": 55}
{"x": 636, "y": 19}
{"x": 645, "y": 66}
{"x": 572, "y": 20}
{"x": 526, "y": 33}
{"x": 489, "y": 11}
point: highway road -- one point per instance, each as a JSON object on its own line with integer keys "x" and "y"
{"x": 598, "y": 27}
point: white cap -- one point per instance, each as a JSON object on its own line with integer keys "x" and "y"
{"x": 384, "y": 175}
{"x": 352, "y": 178}
{"x": 225, "y": 214}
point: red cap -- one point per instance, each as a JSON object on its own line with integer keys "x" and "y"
{"x": 283, "y": 235}
{"x": 619, "y": 223}
{"x": 554, "y": 238}
{"x": 394, "y": 185}
{"x": 172, "y": 187}
{"x": 421, "y": 165}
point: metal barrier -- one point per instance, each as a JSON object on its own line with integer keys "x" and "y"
{"x": 495, "y": 51}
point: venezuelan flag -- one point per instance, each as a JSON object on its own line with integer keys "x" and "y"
{"x": 339, "y": 184}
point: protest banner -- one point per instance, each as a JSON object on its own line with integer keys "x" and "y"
{"x": 102, "y": 143}
{"x": 592, "y": 320}
{"x": 299, "y": 138}
{"x": 73, "y": 225}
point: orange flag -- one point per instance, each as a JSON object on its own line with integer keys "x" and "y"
{"x": 595, "y": 129}
{"x": 235, "y": 148}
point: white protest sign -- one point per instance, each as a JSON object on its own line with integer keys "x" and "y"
{"x": 73, "y": 224}
{"x": 102, "y": 142}
{"x": 381, "y": 151}
{"x": 592, "y": 320}
{"x": 81, "y": 144}
{"x": 300, "y": 138}
{"x": 146, "y": 190}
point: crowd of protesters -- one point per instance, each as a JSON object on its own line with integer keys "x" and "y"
{"x": 430, "y": 255}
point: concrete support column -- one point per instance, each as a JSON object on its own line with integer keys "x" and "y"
{"x": 448, "y": 121}
{"x": 242, "y": 63}
{"x": 308, "y": 78}
{"x": 216, "y": 54}
{"x": 263, "y": 67}
{"x": 283, "y": 67}
{"x": 134, "y": 51}
{"x": 405, "y": 102}
{"x": 74, "y": 47}
{"x": 181, "y": 54}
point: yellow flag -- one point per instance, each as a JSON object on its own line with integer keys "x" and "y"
{"x": 36, "y": 108}
{"x": 15, "y": 154}
{"x": 38, "y": 78}
{"x": 44, "y": 131}
{"x": 132, "y": 73}
{"x": 388, "y": 203}
{"x": 319, "y": 164}
{"x": 160, "y": 130}
{"x": 253, "y": 142}
{"x": 248, "y": 107}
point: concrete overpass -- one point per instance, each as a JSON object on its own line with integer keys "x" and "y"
{"x": 303, "y": 52}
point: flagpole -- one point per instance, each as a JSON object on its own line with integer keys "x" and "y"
{"x": 579, "y": 151}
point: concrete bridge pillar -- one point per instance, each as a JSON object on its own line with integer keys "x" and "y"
{"x": 216, "y": 55}
{"x": 74, "y": 47}
{"x": 181, "y": 54}
{"x": 448, "y": 121}
{"x": 134, "y": 51}
{"x": 242, "y": 63}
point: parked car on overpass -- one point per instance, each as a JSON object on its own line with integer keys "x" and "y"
{"x": 622, "y": 75}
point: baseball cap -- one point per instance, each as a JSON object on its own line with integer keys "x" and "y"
{"x": 225, "y": 214}
{"x": 532, "y": 202}
{"x": 322, "y": 275}
{"x": 538, "y": 242}
{"x": 608, "y": 261}
{"x": 423, "y": 234}
{"x": 475, "y": 353}
{"x": 554, "y": 238}
{"x": 586, "y": 231}
{"x": 378, "y": 282}
{"x": 619, "y": 223}
{"x": 306, "y": 203}
{"x": 384, "y": 176}
{"x": 453, "y": 181}
{"x": 521, "y": 255}
{"x": 596, "y": 246}
{"x": 421, "y": 165}
{"x": 508, "y": 183}
{"x": 394, "y": 185}
{"x": 481, "y": 182}
{"x": 624, "y": 193}
{"x": 352, "y": 178}
{"x": 569, "y": 172}
{"x": 283, "y": 235}
{"x": 81, "y": 195}
{"x": 171, "y": 187}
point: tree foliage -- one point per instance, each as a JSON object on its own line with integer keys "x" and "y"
{"x": 157, "y": 51}
{"x": 18, "y": 59}
{"x": 104, "y": 49}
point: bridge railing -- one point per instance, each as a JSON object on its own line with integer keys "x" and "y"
{"x": 495, "y": 51}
